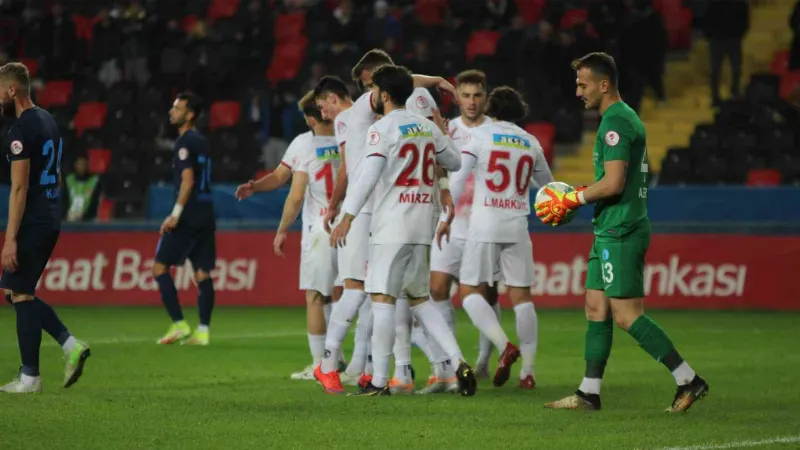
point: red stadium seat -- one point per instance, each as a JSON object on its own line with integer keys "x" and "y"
{"x": 574, "y": 17}
{"x": 678, "y": 22}
{"x": 188, "y": 23}
{"x": 763, "y": 177}
{"x": 287, "y": 60}
{"x": 789, "y": 82}
{"x": 780, "y": 62}
{"x": 482, "y": 43}
{"x": 531, "y": 10}
{"x": 289, "y": 26}
{"x": 224, "y": 114}
{"x": 222, "y": 9}
{"x": 99, "y": 160}
{"x": 84, "y": 27}
{"x": 90, "y": 116}
{"x": 32, "y": 65}
{"x": 545, "y": 133}
{"x": 105, "y": 210}
{"x": 430, "y": 12}
{"x": 54, "y": 93}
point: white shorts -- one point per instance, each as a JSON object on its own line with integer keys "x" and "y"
{"x": 318, "y": 264}
{"x": 353, "y": 256}
{"x": 399, "y": 270}
{"x": 448, "y": 259}
{"x": 481, "y": 260}
{"x": 339, "y": 282}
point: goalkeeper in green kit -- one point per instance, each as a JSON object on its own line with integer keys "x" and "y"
{"x": 615, "y": 275}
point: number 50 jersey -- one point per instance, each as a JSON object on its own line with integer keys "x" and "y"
{"x": 508, "y": 161}
{"x": 35, "y": 136}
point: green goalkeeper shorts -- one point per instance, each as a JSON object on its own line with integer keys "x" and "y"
{"x": 616, "y": 266}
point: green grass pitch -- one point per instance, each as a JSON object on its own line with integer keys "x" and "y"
{"x": 237, "y": 394}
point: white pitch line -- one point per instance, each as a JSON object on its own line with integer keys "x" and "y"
{"x": 739, "y": 444}
{"x": 141, "y": 339}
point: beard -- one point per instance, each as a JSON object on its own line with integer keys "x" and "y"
{"x": 379, "y": 106}
{"x": 8, "y": 109}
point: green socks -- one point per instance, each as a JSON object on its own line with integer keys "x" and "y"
{"x": 599, "y": 337}
{"x": 655, "y": 342}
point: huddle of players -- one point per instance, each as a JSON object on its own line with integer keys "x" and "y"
{"x": 392, "y": 163}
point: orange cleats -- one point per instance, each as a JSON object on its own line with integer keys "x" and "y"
{"x": 396, "y": 387}
{"x": 329, "y": 381}
{"x": 507, "y": 359}
{"x": 364, "y": 380}
{"x": 527, "y": 383}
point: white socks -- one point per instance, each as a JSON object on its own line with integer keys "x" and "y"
{"x": 437, "y": 329}
{"x": 528, "y": 335}
{"x": 383, "y": 334}
{"x": 341, "y": 317}
{"x": 420, "y": 340}
{"x": 683, "y": 374}
{"x": 590, "y": 386}
{"x": 402, "y": 341}
{"x": 69, "y": 344}
{"x": 485, "y": 344}
{"x": 484, "y": 318}
{"x": 327, "y": 310}
{"x": 447, "y": 311}
{"x": 358, "y": 361}
{"x": 316, "y": 343}
{"x": 27, "y": 380}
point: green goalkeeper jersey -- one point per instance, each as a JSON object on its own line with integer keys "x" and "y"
{"x": 622, "y": 137}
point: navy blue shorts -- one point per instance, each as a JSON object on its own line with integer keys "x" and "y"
{"x": 199, "y": 245}
{"x": 35, "y": 244}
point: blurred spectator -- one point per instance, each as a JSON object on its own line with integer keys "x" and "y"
{"x": 345, "y": 28}
{"x": 725, "y": 24}
{"x": 642, "y": 49}
{"x": 510, "y": 49}
{"x": 382, "y": 25}
{"x": 82, "y": 194}
{"x": 59, "y": 41}
{"x": 496, "y": 13}
{"x": 134, "y": 47}
{"x": 421, "y": 60}
{"x": 794, "y": 23}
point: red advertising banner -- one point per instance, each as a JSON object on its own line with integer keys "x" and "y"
{"x": 697, "y": 271}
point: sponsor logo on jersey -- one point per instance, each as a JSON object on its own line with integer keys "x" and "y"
{"x": 328, "y": 153}
{"x": 183, "y": 154}
{"x": 341, "y": 127}
{"x": 612, "y": 138}
{"x": 374, "y": 138}
{"x": 415, "y": 130}
{"x": 422, "y": 102}
{"x": 511, "y": 140}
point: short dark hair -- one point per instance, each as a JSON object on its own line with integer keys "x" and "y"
{"x": 309, "y": 108}
{"x": 370, "y": 61}
{"x": 471, "y": 76}
{"x": 395, "y": 81}
{"x": 330, "y": 84}
{"x": 193, "y": 102}
{"x": 506, "y": 104}
{"x": 601, "y": 64}
{"x": 17, "y": 72}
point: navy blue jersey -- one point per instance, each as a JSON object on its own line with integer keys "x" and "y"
{"x": 191, "y": 152}
{"x": 35, "y": 136}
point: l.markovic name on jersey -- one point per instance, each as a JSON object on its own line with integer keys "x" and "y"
{"x": 504, "y": 203}
{"x": 415, "y": 197}
{"x": 511, "y": 140}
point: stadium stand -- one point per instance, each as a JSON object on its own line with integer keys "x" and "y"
{"x": 107, "y": 74}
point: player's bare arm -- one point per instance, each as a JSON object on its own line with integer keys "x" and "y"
{"x": 445, "y": 197}
{"x": 339, "y": 190}
{"x": 363, "y": 187}
{"x": 291, "y": 209}
{"x": 426, "y": 81}
{"x": 269, "y": 182}
{"x": 20, "y": 171}
{"x": 187, "y": 183}
{"x": 610, "y": 185}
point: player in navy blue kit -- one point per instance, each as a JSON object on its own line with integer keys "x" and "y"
{"x": 34, "y": 148}
{"x": 189, "y": 231}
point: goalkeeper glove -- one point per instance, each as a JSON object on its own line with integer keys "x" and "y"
{"x": 553, "y": 211}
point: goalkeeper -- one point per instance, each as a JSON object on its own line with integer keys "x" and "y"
{"x": 615, "y": 275}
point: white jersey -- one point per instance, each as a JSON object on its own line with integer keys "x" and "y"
{"x": 297, "y": 147}
{"x": 351, "y": 127}
{"x": 507, "y": 162}
{"x": 320, "y": 160}
{"x": 404, "y": 181}
{"x": 461, "y": 134}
